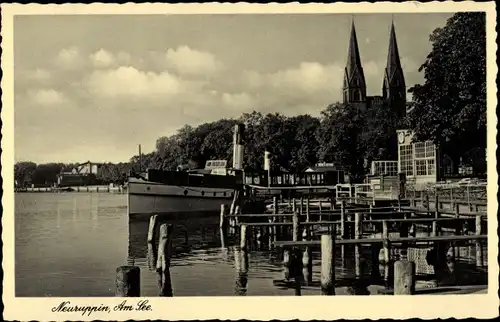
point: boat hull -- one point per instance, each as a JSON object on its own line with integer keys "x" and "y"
{"x": 146, "y": 198}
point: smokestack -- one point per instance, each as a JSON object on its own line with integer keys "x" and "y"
{"x": 267, "y": 166}
{"x": 238, "y": 139}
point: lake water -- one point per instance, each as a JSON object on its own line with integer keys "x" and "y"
{"x": 70, "y": 244}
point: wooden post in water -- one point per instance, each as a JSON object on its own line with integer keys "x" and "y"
{"x": 307, "y": 263}
{"x": 358, "y": 231}
{"x": 241, "y": 265}
{"x": 458, "y": 223}
{"x": 404, "y": 278}
{"x": 436, "y": 202}
{"x": 479, "y": 251}
{"x": 163, "y": 263}
{"x": 223, "y": 225}
{"x": 320, "y": 210}
{"x": 327, "y": 264}
{"x": 307, "y": 209}
{"x": 152, "y": 252}
{"x": 426, "y": 202}
{"x": 128, "y": 281}
{"x": 286, "y": 264}
{"x": 243, "y": 237}
{"x": 343, "y": 227}
{"x": 342, "y": 220}
{"x": 435, "y": 228}
{"x": 296, "y": 227}
{"x": 296, "y": 260}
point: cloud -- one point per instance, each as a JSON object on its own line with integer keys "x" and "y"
{"x": 39, "y": 74}
{"x": 186, "y": 61}
{"x": 69, "y": 58}
{"x": 47, "y": 97}
{"x": 241, "y": 101}
{"x": 131, "y": 82}
{"x": 102, "y": 58}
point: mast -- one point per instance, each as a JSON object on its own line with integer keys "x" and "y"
{"x": 140, "y": 159}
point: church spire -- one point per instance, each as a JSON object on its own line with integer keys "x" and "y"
{"x": 394, "y": 88}
{"x": 393, "y": 62}
{"x": 354, "y": 78}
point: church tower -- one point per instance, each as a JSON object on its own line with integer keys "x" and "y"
{"x": 354, "y": 89}
{"x": 394, "y": 88}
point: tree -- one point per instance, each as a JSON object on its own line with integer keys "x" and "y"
{"x": 218, "y": 142}
{"x": 23, "y": 172}
{"x": 46, "y": 174}
{"x": 450, "y": 107}
{"x": 302, "y": 142}
{"x": 378, "y": 137}
{"x": 339, "y": 138}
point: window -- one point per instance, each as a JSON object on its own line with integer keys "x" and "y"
{"x": 421, "y": 167}
{"x": 424, "y": 158}
{"x": 431, "y": 167}
{"x": 406, "y": 159}
{"x": 386, "y": 168}
{"x": 429, "y": 149}
{"x": 419, "y": 150}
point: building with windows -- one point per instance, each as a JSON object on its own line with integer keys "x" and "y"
{"x": 419, "y": 161}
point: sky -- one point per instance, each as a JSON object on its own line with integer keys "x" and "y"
{"x": 92, "y": 87}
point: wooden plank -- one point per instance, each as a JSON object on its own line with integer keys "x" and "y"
{"x": 424, "y": 239}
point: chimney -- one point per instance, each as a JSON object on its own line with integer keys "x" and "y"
{"x": 238, "y": 146}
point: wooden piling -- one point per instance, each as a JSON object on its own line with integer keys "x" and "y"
{"x": 241, "y": 265}
{"x": 386, "y": 250}
{"x": 307, "y": 209}
{"x": 458, "y": 224}
{"x": 479, "y": 250}
{"x": 404, "y": 278}
{"x": 128, "y": 281}
{"x": 243, "y": 237}
{"x": 307, "y": 264}
{"x": 223, "y": 225}
{"x": 152, "y": 228}
{"x": 152, "y": 251}
{"x": 358, "y": 231}
{"x": 327, "y": 264}
{"x": 436, "y": 202}
{"x": 296, "y": 227}
{"x": 342, "y": 220}
{"x": 435, "y": 228}
{"x": 163, "y": 263}
{"x": 320, "y": 210}
{"x": 286, "y": 264}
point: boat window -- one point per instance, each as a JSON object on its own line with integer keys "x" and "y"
{"x": 215, "y": 194}
{"x": 185, "y": 192}
{"x": 224, "y": 193}
{"x": 203, "y": 193}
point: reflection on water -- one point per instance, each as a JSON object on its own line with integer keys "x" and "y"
{"x": 70, "y": 244}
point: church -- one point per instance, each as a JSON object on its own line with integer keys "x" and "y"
{"x": 393, "y": 88}
{"x": 418, "y": 161}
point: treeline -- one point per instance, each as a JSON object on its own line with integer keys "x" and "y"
{"x": 27, "y": 173}
{"x": 343, "y": 134}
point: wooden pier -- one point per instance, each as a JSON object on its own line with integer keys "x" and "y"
{"x": 402, "y": 247}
